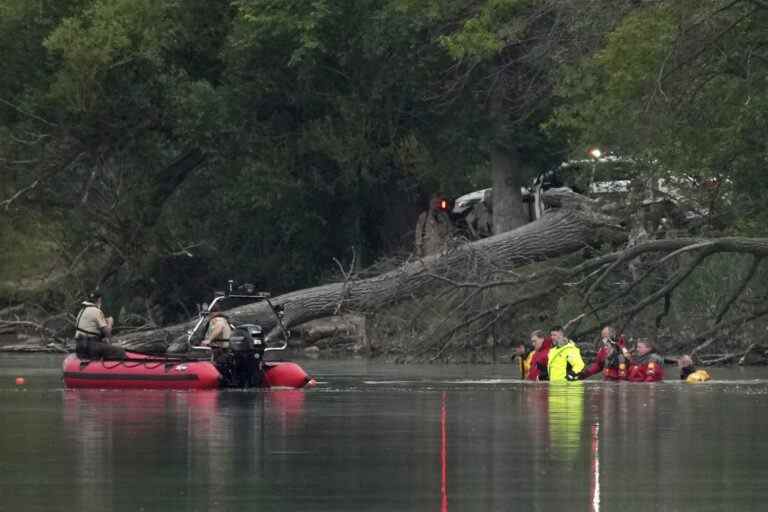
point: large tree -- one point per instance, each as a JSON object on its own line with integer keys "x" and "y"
{"x": 681, "y": 84}
{"x": 499, "y": 86}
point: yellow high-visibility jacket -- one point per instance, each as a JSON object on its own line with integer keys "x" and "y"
{"x": 564, "y": 361}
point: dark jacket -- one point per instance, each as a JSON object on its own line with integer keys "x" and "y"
{"x": 609, "y": 361}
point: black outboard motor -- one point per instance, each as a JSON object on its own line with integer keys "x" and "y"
{"x": 243, "y": 364}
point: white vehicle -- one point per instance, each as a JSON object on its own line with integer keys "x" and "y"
{"x": 592, "y": 177}
{"x": 604, "y": 177}
{"x": 464, "y": 203}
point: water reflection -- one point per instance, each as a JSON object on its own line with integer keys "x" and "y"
{"x": 595, "y": 487}
{"x": 286, "y": 406}
{"x": 220, "y": 438}
{"x": 566, "y": 413}
{"x": 416, "y": 446}
{"x": 443, "y": 456}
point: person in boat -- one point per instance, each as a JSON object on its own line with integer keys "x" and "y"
{"x": 237, "y": 369}
{"x": 535, "y": 363}
{"x": 564, "y": 360}
{"x": 93, "y": 332}
{"x": 219, "y": 330}
{"x": 688, "y": 371}
{"x": 647, "y": 365}
{"x": 609, "y": 359}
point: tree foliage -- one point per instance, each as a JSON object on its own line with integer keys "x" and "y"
{"x": 156, "y": 148}
{"x": 682, "y": 84}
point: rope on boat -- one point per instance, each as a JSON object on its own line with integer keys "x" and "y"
{"x": 150, "y": 364}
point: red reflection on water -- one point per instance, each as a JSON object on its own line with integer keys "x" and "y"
{"x": 141, "y": 410}
{"x": 595, "y": 487}
{"x": 287, "y": 405}
{"x": 443, "y": 457}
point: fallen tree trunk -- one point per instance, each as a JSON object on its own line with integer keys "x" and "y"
{"x": 341, "y": 326}
{"x": 570, "y": 226}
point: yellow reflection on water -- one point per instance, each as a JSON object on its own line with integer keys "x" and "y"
{"x": 566, "y": 411}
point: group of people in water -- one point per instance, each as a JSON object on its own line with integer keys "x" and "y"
{"x": 556, "y": 358}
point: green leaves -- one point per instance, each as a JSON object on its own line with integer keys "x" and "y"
{"x": 475, "y": 41}
{"x": 634, "y": 54}
{"x": 681, "y": 84}
{"x": 301, "y": 26}
{"x": 106, "y": 36}
{"x": 324, "y": 123}
{"x": 498, "y": 24}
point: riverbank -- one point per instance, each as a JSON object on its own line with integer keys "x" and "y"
{"x": 345, "y": 337}
{"x": 29, "y": 344}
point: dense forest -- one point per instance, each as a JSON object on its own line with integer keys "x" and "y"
{"x": 154, "y": 150}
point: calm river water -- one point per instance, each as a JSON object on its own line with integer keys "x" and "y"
{"x": 376, "y": 437}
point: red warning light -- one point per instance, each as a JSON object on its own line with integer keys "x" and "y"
{"x": 443, "y": 204}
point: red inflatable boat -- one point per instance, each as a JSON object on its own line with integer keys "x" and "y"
{"x": 239, "y": 364}
{"x": 141, "y": 371}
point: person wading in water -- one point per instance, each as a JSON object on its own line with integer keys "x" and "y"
{"x": 534, "y": 365}
{"x": 647, "y": 365}
{"x": 609, "y": 358}
{"x": 564, "y": 361}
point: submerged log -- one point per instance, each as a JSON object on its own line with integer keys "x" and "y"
{"x": 572, "y": 225}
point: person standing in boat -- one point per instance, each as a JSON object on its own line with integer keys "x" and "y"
{"x": 610, "y": 360}
{"x": 93, "y": 332}
{"x": 647, "y": 365}
{"x": 564, "y": 360}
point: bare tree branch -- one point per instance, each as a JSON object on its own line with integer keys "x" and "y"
{"x": 28, "y": 114}
{"x": 756, "y": 260}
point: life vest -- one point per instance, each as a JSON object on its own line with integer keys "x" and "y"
{"x": 85, "y": 332}
{"x": 525, "y": 365}
{"x": 647, "y": 368}
{"x": 610, "y": 362}
{"x": 615, "y": 365}
{"x": 565, "y": 362}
